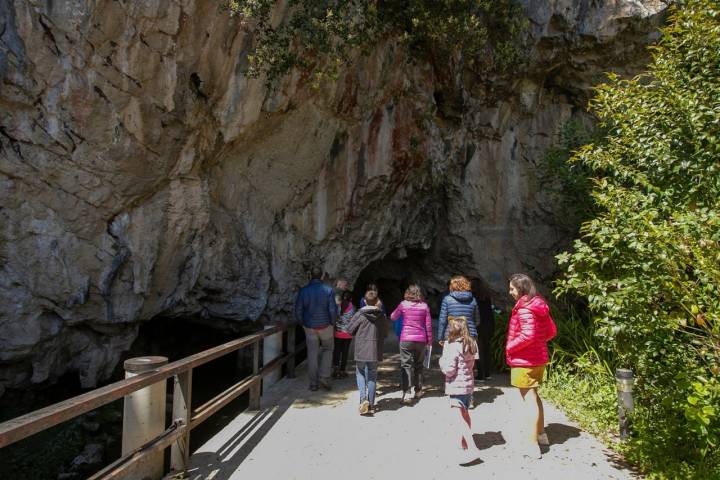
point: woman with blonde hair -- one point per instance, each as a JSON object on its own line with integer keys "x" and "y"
{"x": 415, "y": 337}
{"x": 529, "y": 329}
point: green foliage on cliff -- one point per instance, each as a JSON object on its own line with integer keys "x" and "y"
{"x": 570, "y": 182}
{"x": 321, "y": 35}
{"x": 648, "y": 263}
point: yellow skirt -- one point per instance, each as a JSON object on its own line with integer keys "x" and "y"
{"x": 527, "y": 377}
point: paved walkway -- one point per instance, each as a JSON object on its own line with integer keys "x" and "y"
{"x": 299, "y": 434}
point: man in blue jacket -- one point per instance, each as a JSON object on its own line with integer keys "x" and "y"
{"x": 316, "y": 310}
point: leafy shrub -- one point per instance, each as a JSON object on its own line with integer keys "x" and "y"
{"x": 649, "y": 261}
{"x": 321, "y": 35}
{"x": 586, "y": 394}
{"x": 570, "y": 183}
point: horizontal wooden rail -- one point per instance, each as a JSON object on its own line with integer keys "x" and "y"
{"x": 21, "y": 427}
{"x": 122, "y": 465}
{"x": 206, "y": 410}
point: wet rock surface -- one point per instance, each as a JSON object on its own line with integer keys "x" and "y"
{"x": 141, "y": 174}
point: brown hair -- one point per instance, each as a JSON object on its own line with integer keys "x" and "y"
{"x": 413, "y": 293}
{"x": 316, "y": 272}
{"x": 346, "y": 300}
{"x": 459, "y": 284}
{"x": 371, "y": 298}
{"x": 524, "y": 285}
{"x": 457, "y": 330}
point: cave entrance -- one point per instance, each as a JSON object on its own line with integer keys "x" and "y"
{"x": 395, "y": 272}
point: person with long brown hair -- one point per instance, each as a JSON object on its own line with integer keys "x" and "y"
{"x": 415, "y": 337}
{"x": 457, "y": 363}
{"x": 529, "y": 329}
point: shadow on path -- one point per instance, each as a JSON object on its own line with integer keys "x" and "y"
{"x": 488, "y": 439}
{"x": 486, "y": 395}
{"x": 221, "y": 464}
{"x": 558, "y": 433}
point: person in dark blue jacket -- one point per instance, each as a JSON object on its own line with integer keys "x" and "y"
{"x": 486, "y": 331}
{"x": 458, "y": 303}
{"x": 316, "y": 310}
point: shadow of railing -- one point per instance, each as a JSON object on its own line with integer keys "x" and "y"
{"x": 222, "y": 463}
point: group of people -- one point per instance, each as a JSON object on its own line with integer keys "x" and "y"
{"x": 331, "y": 322}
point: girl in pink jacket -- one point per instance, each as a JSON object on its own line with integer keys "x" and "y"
{"x": 415, "y": 337}
{"x": 457, "y": 361}
{"x": 526, "y": 352}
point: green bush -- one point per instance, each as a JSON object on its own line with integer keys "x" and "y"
{"x": 320, "y": 36}
{"x": 587, "y": 395}
{"x": 570, "y": 183}
{"x": 497, "y": 343}
{"x": 648, "y": 263}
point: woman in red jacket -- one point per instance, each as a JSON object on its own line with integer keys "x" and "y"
{"x": 526, "y": 352}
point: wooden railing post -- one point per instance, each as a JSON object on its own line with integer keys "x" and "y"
{"x": 182, "y": 410}
{"x": 272, "y": 349}
{"x": 144, "y": 434}
{"x": 254, "y": 403}
{"x": 291, "y": 351}
{"x": 144, "y": 415}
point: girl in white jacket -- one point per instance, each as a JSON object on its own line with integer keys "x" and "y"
{"x": 457, "y": 362}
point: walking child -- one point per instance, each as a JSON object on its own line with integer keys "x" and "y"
{"x": 342, "y": 337}
{"x": 369, "y": 327}
{"x": 457, "y": 363}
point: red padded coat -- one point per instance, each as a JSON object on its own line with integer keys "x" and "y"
{"x": 529, "y": 330}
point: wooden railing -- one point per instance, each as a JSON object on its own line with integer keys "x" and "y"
{"x": 177, "y": 435}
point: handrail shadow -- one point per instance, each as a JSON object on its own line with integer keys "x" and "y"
{"x": 222, "y": 463}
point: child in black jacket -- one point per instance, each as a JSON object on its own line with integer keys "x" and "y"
{"x": 368, "y": 327}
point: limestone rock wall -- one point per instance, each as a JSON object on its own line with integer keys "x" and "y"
{"x": 142, "y": 174}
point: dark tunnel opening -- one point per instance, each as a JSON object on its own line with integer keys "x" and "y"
{"x": 395, "y": 272}
{"x": 392, "y": 275}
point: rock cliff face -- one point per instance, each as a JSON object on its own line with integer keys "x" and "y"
{"x": 142, "y": 174}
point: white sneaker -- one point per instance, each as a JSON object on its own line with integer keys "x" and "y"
{"x": 543, "y": 439}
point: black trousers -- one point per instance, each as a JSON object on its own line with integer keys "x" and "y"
{"x": 412, "y": 355}
{"x": 340, "y": 353}
{"x": 484, "y": 364}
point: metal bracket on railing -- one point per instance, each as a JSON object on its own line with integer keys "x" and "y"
{"x": 123, "y": 465}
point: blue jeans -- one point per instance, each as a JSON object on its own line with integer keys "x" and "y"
{"x": 366, "y": 376}
{"x": 460, "y": 400}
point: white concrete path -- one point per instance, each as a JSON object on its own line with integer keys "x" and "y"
{"x": 299, "y": 434}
